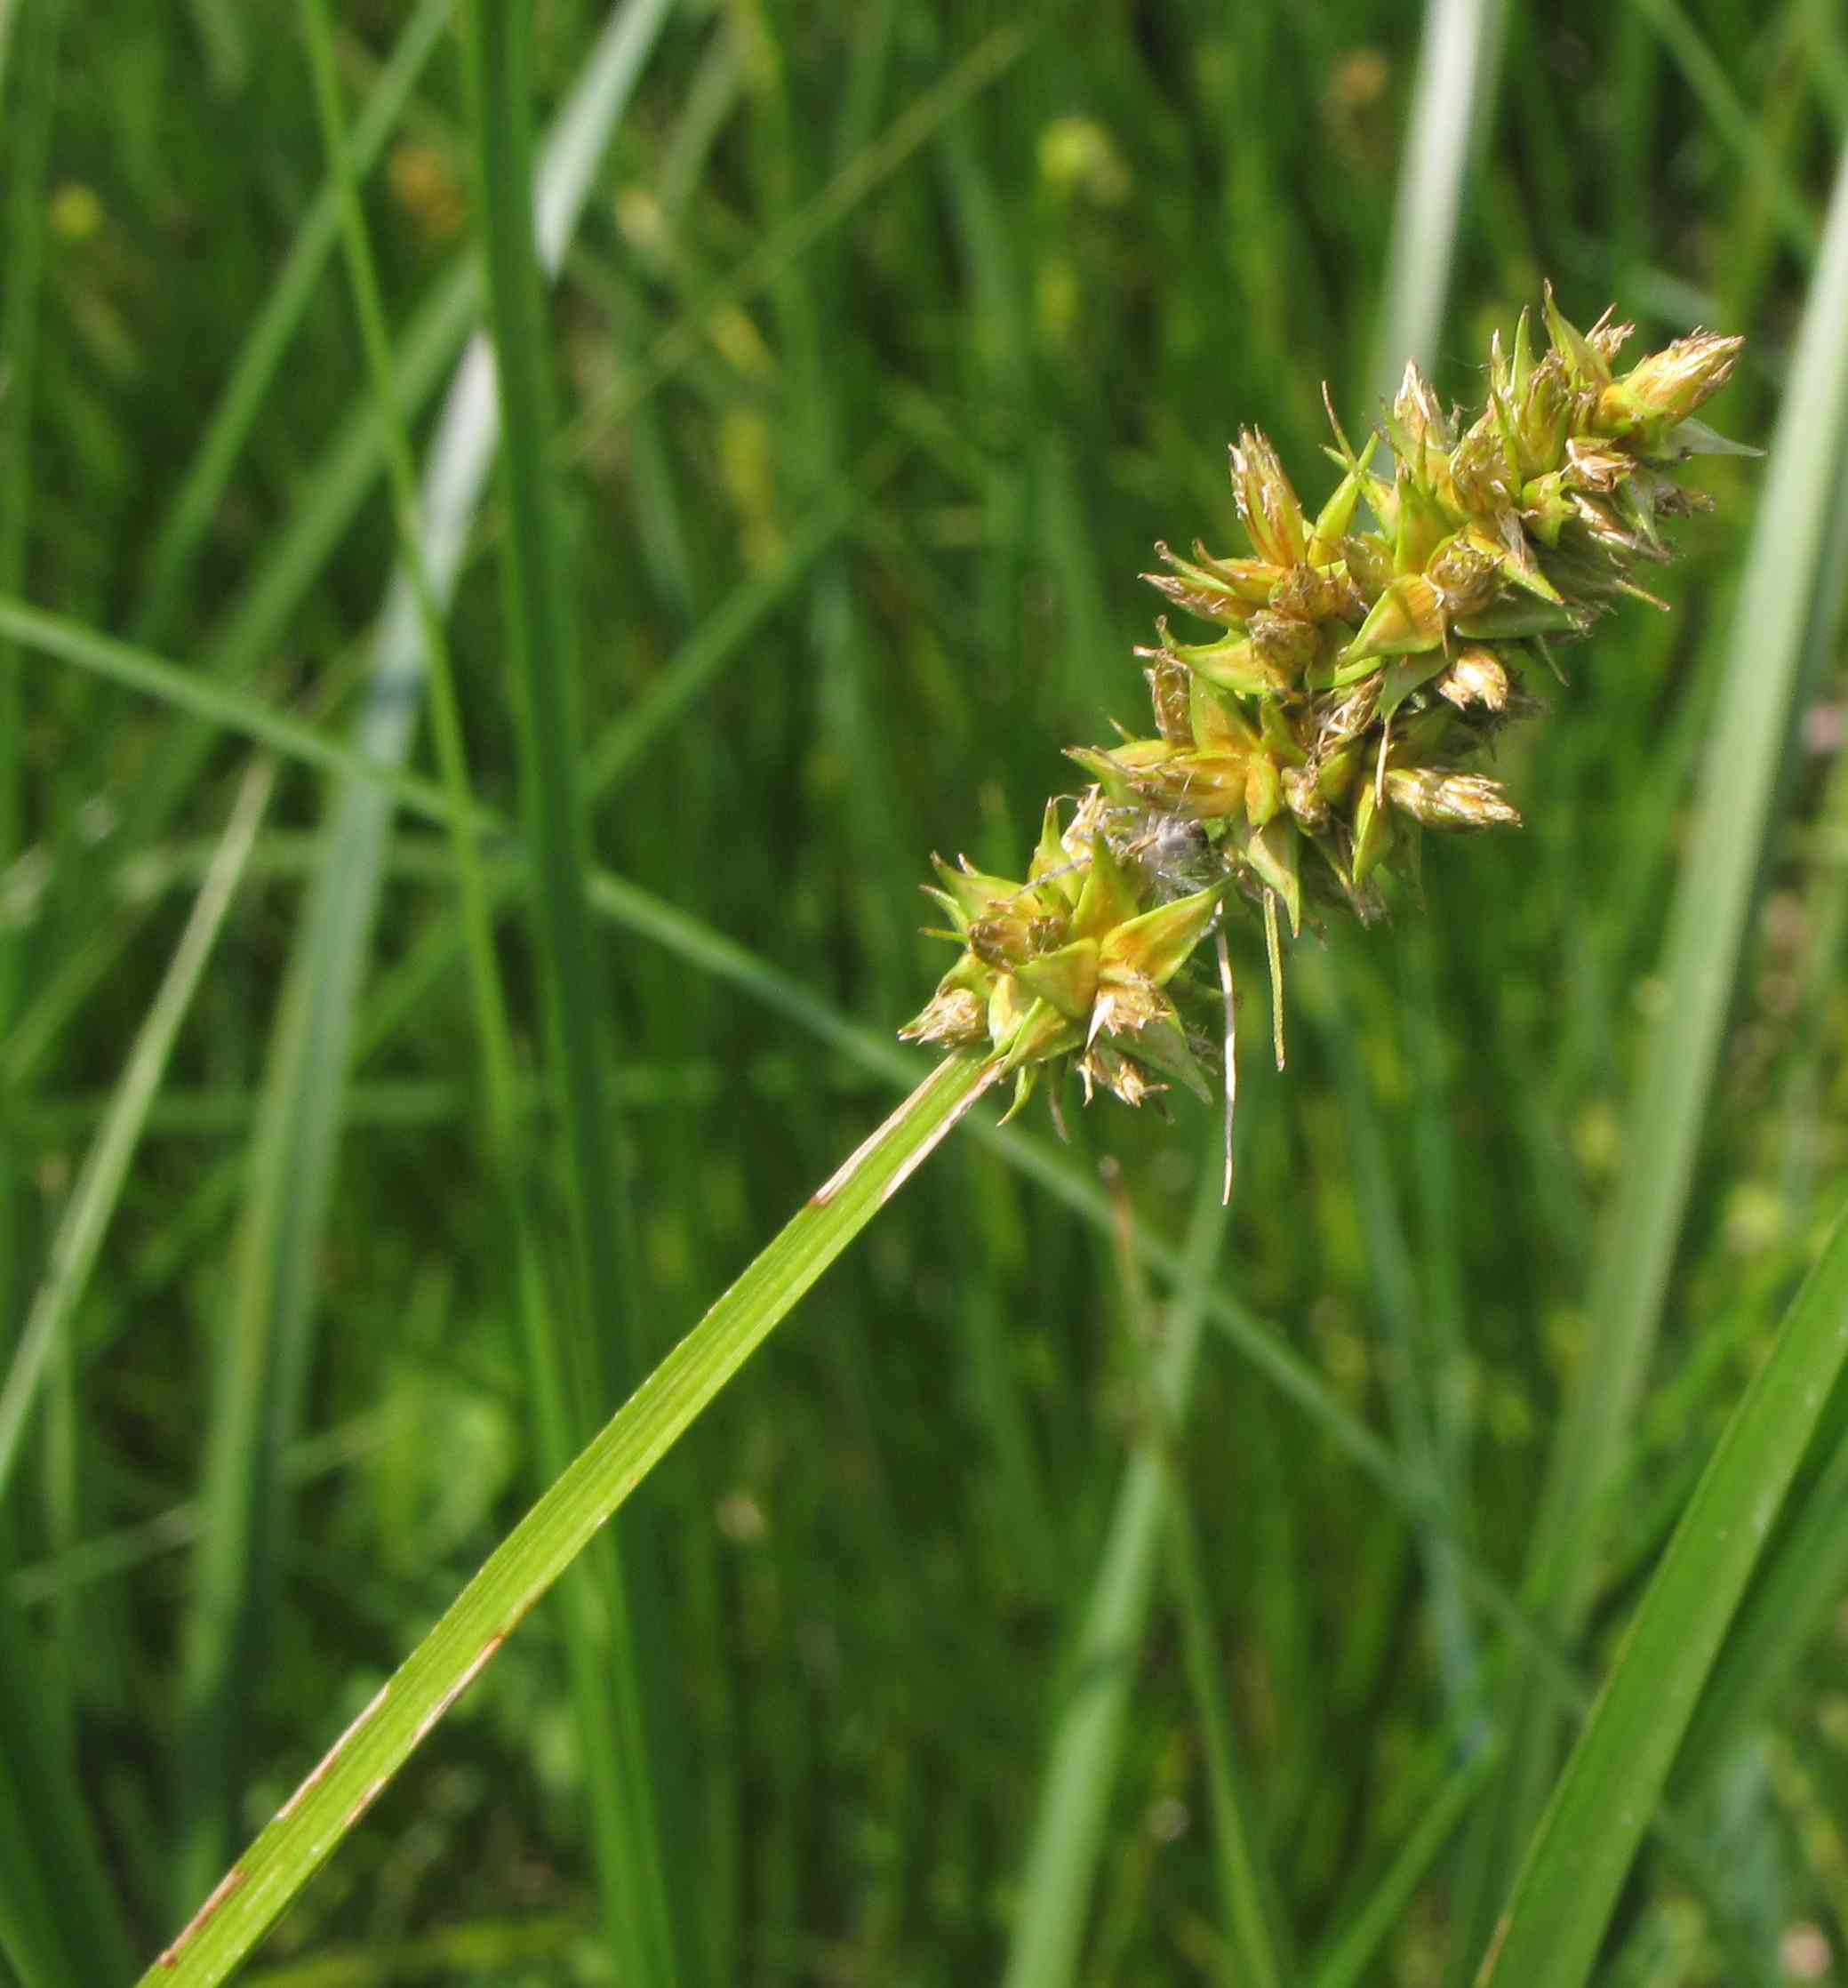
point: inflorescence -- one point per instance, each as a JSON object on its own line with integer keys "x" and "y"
{"x": 1356, "y": 674}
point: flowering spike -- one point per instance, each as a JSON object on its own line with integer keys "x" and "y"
{"x": 1355, "y": 675}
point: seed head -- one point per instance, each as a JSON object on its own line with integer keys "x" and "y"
{"x": 1356, "y": 669}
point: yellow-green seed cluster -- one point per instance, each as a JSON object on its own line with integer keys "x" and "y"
{"x": 1354, "y": 677}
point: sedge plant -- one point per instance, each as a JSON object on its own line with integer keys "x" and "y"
{"x": 1363, "y": 662}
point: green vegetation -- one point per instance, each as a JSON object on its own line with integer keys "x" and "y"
{"x": 459, "y": 894}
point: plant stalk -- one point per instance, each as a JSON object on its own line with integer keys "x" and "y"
{"x": 314, "y": 1821}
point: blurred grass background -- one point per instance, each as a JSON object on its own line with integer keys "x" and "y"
{"x": 887, "y": 342}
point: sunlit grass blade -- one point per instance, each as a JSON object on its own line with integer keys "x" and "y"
{"x": 1550, "y": 1933}
{"x": 1709, "y": 928}
{"x": 99, "y": 1186}
{"x": 330, "y": 1802}
{"x": 1067, "y": 1841}
{"x": 268, "y": 1348}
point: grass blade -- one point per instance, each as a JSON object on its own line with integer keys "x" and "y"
{"x": 1458, "y": 58}
{"x": 1550, "y": 1933}
{"x": 248, "y": 632}
{"x": 1792, "y": 1600}
{"x": 268, "y": 1351}
{"x": 1067, "y": 1837}
{"x": 1706, "y": 76}
{"x": 60, "y": 1925}
{"x": 28, "y": 134}
{"x": 931, "y": 108}
{"x": 597, "y": 1638}
{"x": 710, "y": 952}
{"x": 1353, "y": 1950}
{"x": 1453, "y": 97}
{"x": 541, "y": 640}
{"x": 1710, "y": 926}
{"x": 266, "y": 343}
{"x": 1256, "y": 1934}
{"x": 99, "y": 1187}
{"x": 606, "y": 1659}
{"x": 331, "y": 1802}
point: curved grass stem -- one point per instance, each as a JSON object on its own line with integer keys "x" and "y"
{"x": 317, "y": 1818}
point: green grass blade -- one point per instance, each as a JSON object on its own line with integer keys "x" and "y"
{"x": 247, "y": 633}
{"x": 1247, "y": 1889}
{"x": 86, "y": 1215}
{"x": 1710, "y": 926}
{"x": 1454, "y": 94}
{"x": 267, "y": 343}
{"x": 1726, "y": 110}
{"x": 611, "y": 1690}
{"x": 60, "y": 1923}
{"x": 678, "y": 343}
{"x": 331, "y": 1802}
{"x": 1457, "y": 59}
{"x": 106, "y": 1555}
{"x": 28, "y": 132}
{"x": 710, "y": 952}
{"x": 723, "y": 633}
{"x": 543, "y": 646}
{"x": 1417, "y": 1352}
{"x": 218, "y": 704}
{"x": 1788, "y": 1607}
{"x": 1563, "y": 1899}
{"x": 598, "y": 1643}
{"x": 29, "y": 135}
{"x": 268, "y": 1348}
{"x": 1353, "y": 1950}
{"x": 1255, "y": 1931}
{"x": 1062, "y": 1853}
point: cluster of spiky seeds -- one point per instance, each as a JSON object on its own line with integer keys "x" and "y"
{"x": 1356, "y": 674}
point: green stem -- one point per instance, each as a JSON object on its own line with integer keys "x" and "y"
{"x": 598, "y": 1647}
{"x": 580, "y": 1369}
{"x": 333, "y": 1798}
